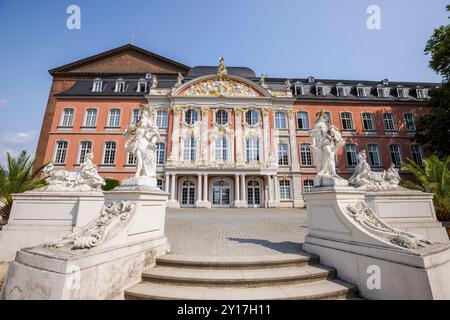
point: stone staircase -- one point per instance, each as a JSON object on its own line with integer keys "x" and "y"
{"x": 287, "y": 276}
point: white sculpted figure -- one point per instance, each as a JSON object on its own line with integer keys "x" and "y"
{"x": 326, "y": 141}
{"x": 365, "y": 179}
{"x": 142, "y": 143}
{"x": 89, "y": 176}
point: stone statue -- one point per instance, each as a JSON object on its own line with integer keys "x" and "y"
{"x": 89, "y": 175}
{"x": 142, "y": 143}
{"x": 180, "y": 79}
{"x": 365, "y": 179}
{"x": 326, "y": 141}
{"x": 154, "y": 81}
{"x": 86, "y": 180}
{"x": 222, "y": 70}
{"x": 262, "y": 81}
{"x": 288, "y": 84}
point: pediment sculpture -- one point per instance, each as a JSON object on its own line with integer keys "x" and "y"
{"x": 221, "y": 87}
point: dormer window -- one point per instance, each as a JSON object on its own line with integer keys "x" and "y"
{"x": 340, "y": 90}
{"x": 361, "y": 91}
{"x": 142, "y": 86}
{"x": 298, "y": 89}
{"x": 421, "y": 93}
{"x": 320, "y": 90}
{"x": 402, "y": 93}
{"x": 97, "y": 86}
{"x": 382, "y": 92}
{"x": 120, "y": 86}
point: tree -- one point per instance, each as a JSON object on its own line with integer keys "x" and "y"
{"x": 433, "y": 177}
{"x": 434, "y": 128}
{"x": 17, "y": 177}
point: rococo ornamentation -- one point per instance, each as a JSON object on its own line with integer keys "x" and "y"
{"x": 221, "y": 87}
{"x": 113, "y": 218}
{"x": 369, "y": 221}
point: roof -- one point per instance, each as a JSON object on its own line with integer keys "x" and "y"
{"x": 199, "y": 71}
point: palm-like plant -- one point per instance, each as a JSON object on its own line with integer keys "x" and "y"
{"x": 17, "y": 177}
{"x": 434, "y": 177}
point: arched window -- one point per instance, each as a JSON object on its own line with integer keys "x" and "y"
{"x": 189, "y": 149}
{"x": 190, "y": 116}
{"x": 351, "y": 153}
{"x": 368, "y": 121}
{"x": 85, "y": 148}
{"x": 305, "y": 155}
{"x": 251, "y": 117}
{"x": 187, "y": 193}
{"x": 416, "y": 154}
{"x": 161, "y": 119}
{"x": 252, "y": 149}
{"x": 221, "y": 149}
{"x": 280, "y": 120}
{"x": 67, "y": 117}
{"x": 221, "y": 117}
{"x": 285, "y": 189}
{"x": 109, "y": 156}
{"x": 160, "y": 153}
{"x": 61, "y": 152}
{"x": 327, "y": 116}
{"x": 388, "y": 120}
{"x": 302, "y": 120}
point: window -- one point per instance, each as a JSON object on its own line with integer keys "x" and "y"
{"x": 421, "y": 93}
{"x": 305, "y": 155}
{"x": 67, "y": 117}
{"x": 61, "y": 151}
{"x": 388, "y": 120}
{"x": 382, "y": 92}
{"x": 160, "y": 184}
{"x": 410, "y": 122}
{"x": 110, "y": 152}
{"x": 221, "y": 117}
{"x": 189, "y": 149}
{"x": 374, "y": 155}
{"x": 299, "y": 90}
{"x": 280, "y": 120}
{"x": 161, "y": 118}
{"x": 90, "y": 118}
{"x": 340, "y": 91}
{"x": 190, "y": 116}
{"x": 283, "y": 159}
{"x": 136, "y": 116}
{"x": 285, "y": 189}
{"x": 85, "y": 148}
{"x": 361, "y": 92}
{"x": 120, "y": 86}
{"x": 327, "y": 116}
{"x": 131, "y": 158}
{"x": 302, "y": 120}
{"x": 346, "y": 121}
{"x": 160, "y": 153}
{"x": 97, "y": 86}
{"x": 307, "y": 185}
{"x": 351, "y": 154}
{"x": 416, "y": 154}
{"x": 142, "y": 86}
{"x": 396, "y": 156}
{"x": 402, "y": 93}
{"x": 251, "y": 117}
{"x": 221, "y": 149}
{"x": 114, "y": 118}
{"x": 368, "y": 121}
{"x": 252, "y": 149}
{"x": 320, "y": 90}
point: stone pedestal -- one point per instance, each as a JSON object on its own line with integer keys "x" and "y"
{"x": 102, "y": 259}
{"x": 408, "y": 210}
{"x": 40, "y": 216}
{"x": 382, "y": 261}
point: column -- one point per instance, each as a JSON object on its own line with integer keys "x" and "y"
{"x": 236, "y": 188}
{"x": 243, "y": 195}
{"x": 293, "y": 142}
{"x": 238, "y": 112}
{"x": 205, "y": 188}
{"x": 167, "y": 183}
{"x": 204, "y": 134}
{"x": 173, "y": 187}
{"x": 266, "y": 191}
{"x": 199, "y": 187}
{"x": 266, "y": 135}
{"x": 276, "y": 188}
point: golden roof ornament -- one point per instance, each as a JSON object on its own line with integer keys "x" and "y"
{"x": 222, "y": 70}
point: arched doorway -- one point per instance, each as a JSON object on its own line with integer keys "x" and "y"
{"x": 187, "y": 194}
{"x": 254, "y": 194}
{"x": 221, "y": 193}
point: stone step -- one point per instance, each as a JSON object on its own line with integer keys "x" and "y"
{"x": 237, "y": 262}
{"x": 324, "y": 289}
{"x": 236, "y": 277}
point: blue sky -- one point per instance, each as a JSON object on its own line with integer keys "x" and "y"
{"x": 285, "y": 38}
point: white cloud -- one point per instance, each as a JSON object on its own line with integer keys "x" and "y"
{"x": 3, "y": 102}
{"x": 16, "y": 138}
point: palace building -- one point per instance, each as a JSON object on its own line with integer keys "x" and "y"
{"x": 228, "y": 137}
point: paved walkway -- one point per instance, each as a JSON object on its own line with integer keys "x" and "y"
{"x": 235, "y": 232}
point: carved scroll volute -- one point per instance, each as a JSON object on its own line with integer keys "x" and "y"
{"x": 291, "y": 114}
{"x": 205, "y": 111}
{"x": 266, "y": 111}
{"x": 177, "y": 110}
